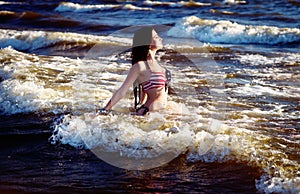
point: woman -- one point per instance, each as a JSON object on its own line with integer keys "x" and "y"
{"x": 145, "y": 70}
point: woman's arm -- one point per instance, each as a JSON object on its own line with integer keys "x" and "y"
{"x": 121, "y": 92}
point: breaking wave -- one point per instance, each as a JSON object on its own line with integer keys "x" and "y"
{"x": 224, "y": 31}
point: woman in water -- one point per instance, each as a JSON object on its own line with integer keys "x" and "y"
{"x": 150, "y": 76}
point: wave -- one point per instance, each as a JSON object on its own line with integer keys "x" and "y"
{"x": 176, "y": 4}
{"x": 26, "y": 15}
{"x": 34, "y": 40}
{"x": 233, "y": 33}
{"x": 7, "y": 15}
{"x": 34, "y": 20}
{"x": 13, "y": 3}
{"x": 34, "y": 84}
{"x": 75, "y": 7}
{"x": 31, "y": 83}
{"x": 124, "y": 136}
{"x": 30, "y": 17}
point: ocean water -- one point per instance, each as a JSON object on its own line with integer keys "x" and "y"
{"x": 235, "y": 77}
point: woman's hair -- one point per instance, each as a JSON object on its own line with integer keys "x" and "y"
{"x": 141, "y": 44}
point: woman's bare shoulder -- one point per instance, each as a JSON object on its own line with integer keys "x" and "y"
{"x": 141, "y": 65}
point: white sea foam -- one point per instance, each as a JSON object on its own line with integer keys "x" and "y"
{"x": 278, "y": 185}
{"x": 124, "y": 136}
{"x": 255, "y": 90}
{"x": 75, "y": 7}
{"x": 271, "y": 68}
{"x": 32, "y": 83}
{"x": 230, "y": 32}
{"x": 32, "y": 40}
{"x": 257, "y": 59}
{"x": 234, "y": 2}
{"x": 22, "y": 90}
{"x": 175, "y": 4}
{"x": 5, "y": 2}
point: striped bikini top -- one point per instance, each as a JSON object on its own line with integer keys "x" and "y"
{"x": 156, "y": 80}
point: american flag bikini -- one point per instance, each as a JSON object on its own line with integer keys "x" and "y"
{"x": 156, "y": 80}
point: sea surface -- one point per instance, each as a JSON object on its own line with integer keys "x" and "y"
{"x": 235, "y": 76}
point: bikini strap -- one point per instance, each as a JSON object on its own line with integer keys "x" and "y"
{"x": 168, "y": 78}
{"x": 137, "y": 93}
{"x": 168, "y": 75}
{"x": 167, "y": 72}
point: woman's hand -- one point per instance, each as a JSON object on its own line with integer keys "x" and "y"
{"x": 103, "y": 111}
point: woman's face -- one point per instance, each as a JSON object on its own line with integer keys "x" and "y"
{"x": 156, "y": 42}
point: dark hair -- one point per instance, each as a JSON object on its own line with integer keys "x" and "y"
{"x": 141, "y": 44}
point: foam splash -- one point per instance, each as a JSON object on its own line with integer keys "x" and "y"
{"x": 121, "y": 137}
{"x": 230, "y": 32}
{"x": 24, "y": 97}
{"x": 241, "y": 144}
{"x": 126, "y": 136}
{"x": 28, "y": 82}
